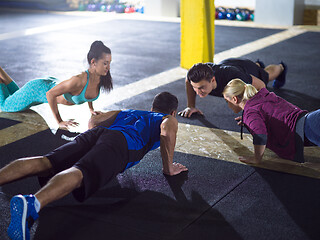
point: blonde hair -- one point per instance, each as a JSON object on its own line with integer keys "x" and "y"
{"x": 237, "y": 87}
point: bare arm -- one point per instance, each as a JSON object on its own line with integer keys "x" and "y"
{"x": 92, "y": 111}
{"x": 103, "y": 119}
{"x": 191, "y": 95}
{"x": 191, "y": 101}
{"x": 169, "y": 129}
{"x": 257, "y": 83}
{"x": 258, "y": 154}
{"x": 58, "y": 90}
{"x": 90, "y": 104}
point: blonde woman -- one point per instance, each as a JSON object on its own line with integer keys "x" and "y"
{"x": 273, "y": 122}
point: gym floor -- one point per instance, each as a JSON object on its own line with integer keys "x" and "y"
{"x": 219, "y": 197}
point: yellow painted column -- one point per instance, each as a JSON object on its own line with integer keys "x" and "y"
{"x": 197, "y": 32}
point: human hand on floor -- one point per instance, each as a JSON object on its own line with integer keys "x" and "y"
{"x": 187, "y": 112}
{"x": 95, "y": 112}
{"x": 247, "y": 159}
{"x": 175, "y": 169}
{"x": 67, "y": 124}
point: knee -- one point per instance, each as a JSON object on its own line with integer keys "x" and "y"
{"x": 75, "y": 176}
{"x": 78, "y": 178}
{"x": 45, "y": 162}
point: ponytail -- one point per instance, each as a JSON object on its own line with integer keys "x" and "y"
{"x": 240, "y": 89}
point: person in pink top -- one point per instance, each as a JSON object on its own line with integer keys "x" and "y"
{"x": 273, "y": 122}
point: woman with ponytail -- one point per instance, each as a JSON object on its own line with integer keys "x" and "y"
{"x": 273, "y": 122}
{"x": 81, "y": 88}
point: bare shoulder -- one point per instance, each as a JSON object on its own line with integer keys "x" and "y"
{"x": 79, "y": 79}
{"x": 169, "y": 123}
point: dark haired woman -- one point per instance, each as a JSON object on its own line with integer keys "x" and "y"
{"x": 81, "y": 88}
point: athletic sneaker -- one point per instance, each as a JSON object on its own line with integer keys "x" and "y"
{"x": 23, "y": 215}
{"x": 261, "y": 64}
{"x": 281, "y": 79}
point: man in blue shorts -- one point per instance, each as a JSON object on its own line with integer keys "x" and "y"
{"x": 115, "y": 141}
{"x": 205, "y": 79}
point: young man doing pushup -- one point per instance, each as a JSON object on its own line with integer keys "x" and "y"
{"x": 116, "y": 141}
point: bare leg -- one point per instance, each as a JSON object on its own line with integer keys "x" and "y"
{"x": 5, "y": 78}
{"x": 59, "y": 186}
{"x": 24, "y": 167}
{"x": 274, "y": 71}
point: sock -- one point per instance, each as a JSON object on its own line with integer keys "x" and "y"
{"x": 37, "y": 204}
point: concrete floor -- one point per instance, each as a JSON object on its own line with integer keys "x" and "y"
{"x": 218, "y": 198}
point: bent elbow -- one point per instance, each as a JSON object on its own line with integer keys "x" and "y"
{"x": 49, "y": 95}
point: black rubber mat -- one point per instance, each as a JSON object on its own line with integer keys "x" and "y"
{"x": 5, "y": 123}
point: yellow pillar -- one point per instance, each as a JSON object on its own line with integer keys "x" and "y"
{"x": 197, "y": 32}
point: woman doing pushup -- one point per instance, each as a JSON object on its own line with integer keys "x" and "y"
{"x": 81, "y": 88}
{"x": 273, "y": 122}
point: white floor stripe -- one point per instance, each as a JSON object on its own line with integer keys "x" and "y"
{"x": 55, "y": 27}
{"x": 259, "y": 44}
{"x": 141, "y": 86}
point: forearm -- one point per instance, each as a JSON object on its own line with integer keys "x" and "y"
{"x": 167, "y": 151}
{"x": 90, "y": 104}
{"x": 256, "y": 158}
{"x": 258, "y": 152}
{"x": 191, "y": 95}
{"x": 54, "y": 107}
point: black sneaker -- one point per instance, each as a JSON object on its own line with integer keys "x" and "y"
{"x": 281, "y": 79}
{"x": 261, "y": 64}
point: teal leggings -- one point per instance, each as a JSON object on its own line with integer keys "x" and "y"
{"x": 15, "y": 99}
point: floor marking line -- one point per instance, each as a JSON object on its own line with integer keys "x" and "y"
{"x": 19, "y": 131}
{"x": 31, "y": 123}
{"x": 141, "y": 86}
{"x": 258, "y": 44}
{"x": 53, "y": 27}
{"x": 226, "y": 146}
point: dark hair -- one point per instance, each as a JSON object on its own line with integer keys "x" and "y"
{"x": 165, "y": 102}
{"x": 199, "y": 72}
{"x": 96, "y": 50}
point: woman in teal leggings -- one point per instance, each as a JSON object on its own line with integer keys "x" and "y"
{"x": 81, "y": 88}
